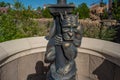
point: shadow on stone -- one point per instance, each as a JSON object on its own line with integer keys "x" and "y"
{"x": 41, "y": 72}
{"x": 117, "y": 36}
{"x": 106, "y": 71}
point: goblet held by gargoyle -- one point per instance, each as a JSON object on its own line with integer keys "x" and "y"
{"x": 62, "y": 47}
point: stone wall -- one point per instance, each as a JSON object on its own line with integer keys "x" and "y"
{"x": 23, "y": 59}
{"x": 89, "y": 67}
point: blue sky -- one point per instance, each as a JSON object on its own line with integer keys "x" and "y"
{"x": 36, "y": 3}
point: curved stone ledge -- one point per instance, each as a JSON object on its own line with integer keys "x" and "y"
{"x": 106, "y": 47}
{"x": 15, "y": 46}
{"x": 14, "y": 49}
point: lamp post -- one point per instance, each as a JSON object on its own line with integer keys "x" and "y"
{"x": 60, "y": 7}
{"x": 61, "y": 49}
{"x": 61, "y": 1}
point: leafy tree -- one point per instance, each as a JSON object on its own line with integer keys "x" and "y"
{"x": 71, "y": 3}
{"x": 38, "y": 12}
{"x": 28, "y": 13}
{"x": 18, "y": 24}
{"x": 29, "y": 8}
{"x": 105, "y": 14}
{"x": 83, "y": 11}
{"x": 3, "y": 4}
{"x": 46, "y": 13}
{"x": 8, "y": 29}
{"x": 18, "y": 5}
{"x": 99, "y": 32}
{"x": 116, "y": 10}
{"x": 39, "y": 8}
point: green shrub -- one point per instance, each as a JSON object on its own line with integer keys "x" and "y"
{"x": 11, "y": 28}
{"x": 8, "y": 28}
{"x": 99, "y": 32}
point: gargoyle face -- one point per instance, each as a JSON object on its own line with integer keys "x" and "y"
{"x": 69, "y": 27}
{"x": 68, "y": 33}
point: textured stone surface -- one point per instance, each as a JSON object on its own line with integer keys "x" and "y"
{"x": 92, "y": 44}
{"x": 83, "y": 78}
{"x": 3, "y": 73}
{"x": 34, "y": 42}
{"x": 89, "y": 68}
{"x": 101, "y": 69}
{"x": 9, "y": 48}
{"x": 26, "y": 65}
{"x": 95, "y": 62}
{"x": 21, "y": 68}
{"x": 12, "y": 70}
{"x": 82, "y": 62}
{"x": 0, "y": 74}
{"x": 3, "y": 54}
{"x": 117, "y": 73}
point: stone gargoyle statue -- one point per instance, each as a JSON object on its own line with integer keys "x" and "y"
{"x": 64, "y": 38}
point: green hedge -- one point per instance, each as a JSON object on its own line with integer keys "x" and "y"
{"x": 11, "y": 28}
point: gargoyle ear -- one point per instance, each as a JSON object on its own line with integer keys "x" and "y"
{"x": 65, "y": 13}
{"x": 77, "y": 14}
{"x": 61, "y": 15}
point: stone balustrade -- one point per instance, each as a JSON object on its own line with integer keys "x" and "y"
{"x": 96, "y": 60}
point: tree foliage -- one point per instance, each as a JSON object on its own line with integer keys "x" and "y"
{"x": 19, "y": 22}
{"x": 99, "y": 32}
{"x": 46, "y": 13}
{"x": 18, "y": 5}
{"x": 8, "y": 28}
{"x": 83, "y": 11}
{"x": 116, "y": 9}
{"x": 3, "y": 4}
{"x": 105, "y": 14}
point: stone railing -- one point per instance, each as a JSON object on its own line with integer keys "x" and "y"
{"x": 38, "y": 44}
{"x": 96, "y": 60}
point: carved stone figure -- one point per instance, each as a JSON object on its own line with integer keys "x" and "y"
{"x": 64, "y": 38}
